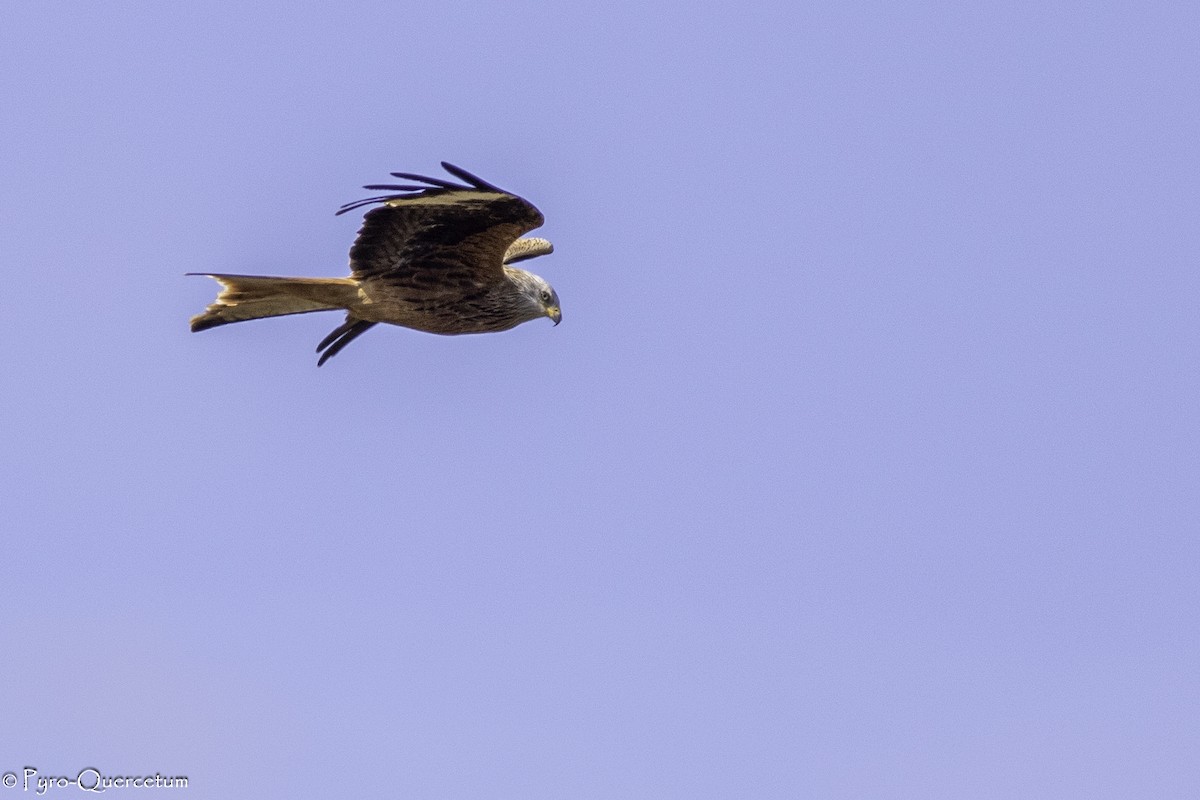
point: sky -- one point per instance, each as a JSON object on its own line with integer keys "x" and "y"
{"x": 863, "y": 464}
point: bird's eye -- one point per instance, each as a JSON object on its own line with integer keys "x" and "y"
{"x": 545, "y": 296}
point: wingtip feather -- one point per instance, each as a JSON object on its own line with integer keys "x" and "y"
{"x": 467, "y": 177}
{"x": 433, "y": 186}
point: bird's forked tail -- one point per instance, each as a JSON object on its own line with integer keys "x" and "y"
{"x": 244, "y": 297}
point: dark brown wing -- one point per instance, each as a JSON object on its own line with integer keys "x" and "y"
{"x": 441, "y": 236}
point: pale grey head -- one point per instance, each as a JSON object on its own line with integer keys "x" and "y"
{"x": 538, "y": 298}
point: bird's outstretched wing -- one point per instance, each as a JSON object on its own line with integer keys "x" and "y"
{"x": 438, "y": 236}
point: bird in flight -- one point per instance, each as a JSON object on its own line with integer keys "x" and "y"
{"x": 434, "y": 255}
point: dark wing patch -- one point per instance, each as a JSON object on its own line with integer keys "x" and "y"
{"x": 440, "y": 234}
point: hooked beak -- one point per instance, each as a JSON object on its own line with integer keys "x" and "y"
{"x": 554, "y": 313}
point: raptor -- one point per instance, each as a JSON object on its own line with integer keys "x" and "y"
{"x": 433, "y": 255}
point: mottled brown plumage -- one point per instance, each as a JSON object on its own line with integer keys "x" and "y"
{"x": 434, "y": 256}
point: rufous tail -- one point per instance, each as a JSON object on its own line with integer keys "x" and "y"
{"x": 244, "y": 297}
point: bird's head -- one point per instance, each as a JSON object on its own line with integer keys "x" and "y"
{"x": 541, "y": 297}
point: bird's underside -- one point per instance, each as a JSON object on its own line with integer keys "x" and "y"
{"x": 435, "y": 257}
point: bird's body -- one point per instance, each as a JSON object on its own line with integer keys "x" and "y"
{"x": 477, "y": 309}
{"x": 434, "y": 258}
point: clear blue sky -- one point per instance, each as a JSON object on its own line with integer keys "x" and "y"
{"x": 863, "y": 465}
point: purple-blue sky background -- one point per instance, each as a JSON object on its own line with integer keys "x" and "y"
{"x": 864, "y": 463}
